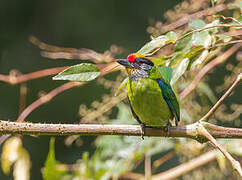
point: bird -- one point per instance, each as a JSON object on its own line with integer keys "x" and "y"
{"x": 152, "y": 100}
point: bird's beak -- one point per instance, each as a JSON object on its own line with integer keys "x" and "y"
{"x": 125, "y": 63}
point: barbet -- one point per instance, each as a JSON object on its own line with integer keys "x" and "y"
{"x": 152, "y": 101}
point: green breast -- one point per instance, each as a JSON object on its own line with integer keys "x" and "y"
{"x": 148, "y": 103}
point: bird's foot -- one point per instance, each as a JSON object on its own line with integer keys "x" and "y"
{"x": 142, "y": 130}
{"x": 167, "y": 128}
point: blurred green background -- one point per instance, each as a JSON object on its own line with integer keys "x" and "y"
{"x": 90, "y": 24}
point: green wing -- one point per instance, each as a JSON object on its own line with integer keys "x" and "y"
{"x": 170, "y": 99}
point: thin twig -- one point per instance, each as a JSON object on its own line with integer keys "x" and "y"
{"x": 30, "y": 76}
{"x": 218, "y": 60}
{"x": 197, "y": 15}
{"x": 186, "y": 167}
{"x": 226, "y": 94}
{"x": 157, "y": 163}
{"x": 235, "y": 164}
{"x": 46, "y": 98}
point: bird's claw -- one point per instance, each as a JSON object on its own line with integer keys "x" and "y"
{"x": 167, "y": 128}
{"x": 142, "y": 130}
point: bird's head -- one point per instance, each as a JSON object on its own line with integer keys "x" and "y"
{"x": 136, "y": 63}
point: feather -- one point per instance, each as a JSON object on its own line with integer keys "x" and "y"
{"x": 170, "y": 99}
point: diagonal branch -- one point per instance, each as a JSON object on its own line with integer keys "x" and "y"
{"x": 220, "y": 101}
{"x": 235, "y": 164}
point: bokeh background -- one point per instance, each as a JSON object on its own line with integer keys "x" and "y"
{"x": 90, "y": 24}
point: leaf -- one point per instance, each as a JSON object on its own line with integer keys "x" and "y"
{"x": 124, "y": 82}
{"x": 79, "y": 72}
{"x": 202, "y": 38}
{"x": 200, "y": 59}
{"x": 184, "y": 44}
{"x": 197, "y": 24}
{"x": 171, "y": 36}
{"x": 224, "y": 37}
{"x": 194, "y": 52}
{"x": 166, "y": 73}
{"x": 14, "y": 154}
{"x": 50, "y": 172}
{"x": 152, "y": 45}
{"x": 180, "y": 70}
{"x": 238, "y": 4}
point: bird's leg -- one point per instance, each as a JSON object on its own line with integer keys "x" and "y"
{"x": 167, "y": 128}
{"x": 142, "y": 125}
{"x": 176, "y": 121}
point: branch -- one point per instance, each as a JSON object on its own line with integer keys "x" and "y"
{"x": 218, "y": 60}
{"x": 186, "y": 167}
{"x": 11, "y": 79}
{"x": 235, "y": 164}
{"x": 197, "y": 15}
{"x": 226, "y": 94}
{"x": 188, "y": 131}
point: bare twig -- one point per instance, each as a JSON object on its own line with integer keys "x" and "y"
{"x": 197, "y": 15}
{"x": 235, "y": 164}
{"x": 22, "y": 97}
{"x": 218, "y": 60}
{"x": 226, "y": 94}
{"x": 46, "y": 98}
{"x": 56, "y": 52}
{"x": 30, "y": 76}
{"x": 157, "y": 163}
{"x": 186, "y": 167}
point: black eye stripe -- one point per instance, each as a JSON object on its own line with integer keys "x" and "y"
{"x": 144, "y": 60}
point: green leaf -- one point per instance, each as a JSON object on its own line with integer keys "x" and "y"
{"x": 79, "y": 72}
{"x": 197, "y": 62}
{"x": 238, "y": 4}
{"x": 184, "y": 44}
{"x": 202, "y": 38}
{"x": 124, "y": 82}
{"x": 197, "y": 24}
{"x": 50, "y": 172}
{"x": 152, "y": 45}
{"x": 224, "y": 37}
{"x": 171, "y": 36}
{"x": 180, "y": 70}
{"x": 166, "y": 73}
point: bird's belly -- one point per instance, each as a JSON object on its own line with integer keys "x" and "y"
{"x": 148, "y": 103}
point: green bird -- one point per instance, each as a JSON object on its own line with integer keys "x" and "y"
{"x": 152, "y": 101}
